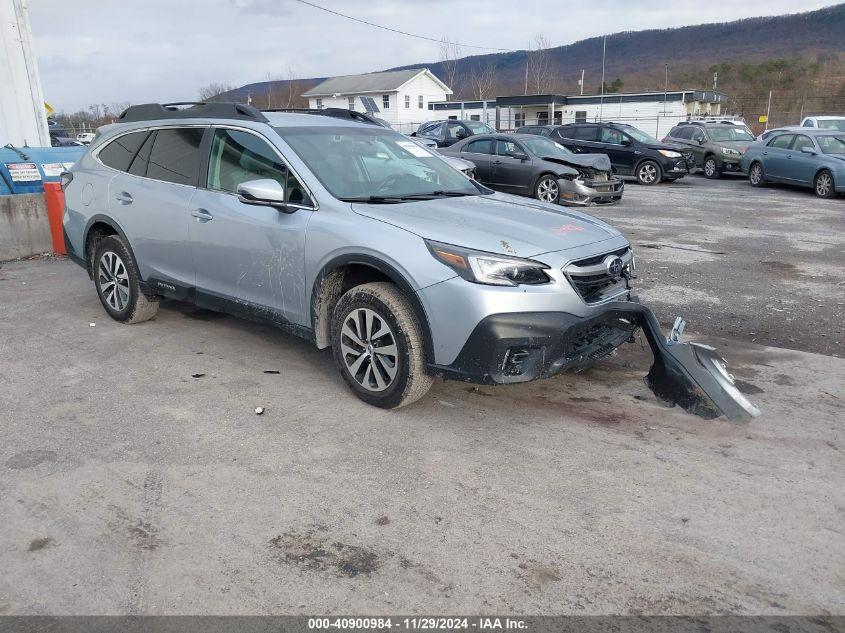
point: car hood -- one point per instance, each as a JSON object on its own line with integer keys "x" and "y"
{"x": 600, "y": 162}
{"x": 497, "y": 223}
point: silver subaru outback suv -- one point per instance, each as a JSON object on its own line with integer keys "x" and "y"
{"x": 359, "y": 239}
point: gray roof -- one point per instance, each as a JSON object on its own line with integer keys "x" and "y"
{"x": 370, "y": 82}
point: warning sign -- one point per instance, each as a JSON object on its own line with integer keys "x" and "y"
{"x": 52, "y": 170}
{"x": 24, "y": 172}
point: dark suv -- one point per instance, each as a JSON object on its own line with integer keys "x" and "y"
{"x": 632, "y": 152}
{"x": 717, "y": 146}
{"x": 446, "y": 133}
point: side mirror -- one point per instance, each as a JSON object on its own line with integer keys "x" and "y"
{"x": 808, "y": 150}
{"x": 265, "y": 192}
{"x": 625, "y": 141}
{"x": 700, "y": 140}
{"x": 519, "y": 156}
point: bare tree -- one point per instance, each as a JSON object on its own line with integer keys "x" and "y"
{"x": 449, "y": 54}
{"x": 293, "y": 86}
{"x": 538, "y": 66}
{"x": 482, "y": 81}
{"x": 209, "y": 92}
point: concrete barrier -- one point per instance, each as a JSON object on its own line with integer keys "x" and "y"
{"x": 24, "y": 226}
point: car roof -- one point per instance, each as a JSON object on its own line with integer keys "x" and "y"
{"x": 826, "y": 117}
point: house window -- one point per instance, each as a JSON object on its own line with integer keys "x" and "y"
{"x": 319, "y": 103}
{"x": 518, "y": 119}
{"x": 580, "y": 116}
{"x": 407, "y": 101}
{"x": 351, "y": 103}
{"x": 475, "y": 117}
{"x": 420, "y": 104}
{"x": 385, "y": 101}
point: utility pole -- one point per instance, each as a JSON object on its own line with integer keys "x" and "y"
{"x": 581, "y": 83}
{"x": 603, "y": 53}
{"x": 665, "y": 87}
{"x": 715, "y": 80}
{"x": 768, "y": 109}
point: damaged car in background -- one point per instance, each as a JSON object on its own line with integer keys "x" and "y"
{"x": 530, "y": 165}
{"x": 373, "y": 246}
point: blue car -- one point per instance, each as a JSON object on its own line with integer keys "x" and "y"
{"x": 810, "y": 158}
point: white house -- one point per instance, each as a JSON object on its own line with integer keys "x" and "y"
{"x": 400, "y": 97}
{"x": 652, "y": 112}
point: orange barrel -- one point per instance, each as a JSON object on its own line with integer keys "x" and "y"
{"x": 55, "y": 199}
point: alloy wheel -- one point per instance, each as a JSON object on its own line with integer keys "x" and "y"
{"x": 113, "y": 280}
{"x": 369, "y": 349}
{"x": 547, "y": 190}
{"x": 823, "y": 185}
{"x": 756, "y": 174}
{"x": 648, "y": 173}
{"x": 709, "y": 167}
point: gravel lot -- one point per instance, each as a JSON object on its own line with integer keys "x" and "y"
{"x": 136, "y": 477}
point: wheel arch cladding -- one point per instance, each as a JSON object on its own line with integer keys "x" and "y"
{"x": 99, "y": 226}
{"x": 347, "y": 271}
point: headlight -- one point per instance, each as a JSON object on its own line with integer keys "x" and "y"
{"x": 727, "y": 151}
{"x": 669, "y": 153}
{"x": 489, "y": 268}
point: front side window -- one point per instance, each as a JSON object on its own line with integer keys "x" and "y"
{"x": 385, "y": 101}
{"x": 802, "y": 141}
{"x": 611, "y": 135}
{"x": 477, "y": 127}
{"x": 420, "y": 103}
{"x": 121, "y": 151}
{"x": 175, "y": 155}
{"x": 641, "y": 136}
{"x": 238, "y": 157}
{"x": 407, "y": 101}
{"x": 832, "y": 124}
{"x": 374, "y": 164}
{"x": 832, "y": 144}
{"x": 784, "y": 141}
{"x": 507, "y": 148}
{"x": 455, "y": 131}
{"x": 481, "y": 146}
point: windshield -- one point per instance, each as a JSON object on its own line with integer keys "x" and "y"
{"x": 832, "y": 124}
{"x": 544, "y": 147}
{"x": 729, "y": 133}
{"x": 639, "y": 135}
{"x": 832, "y": 144}
{"x": 374, "y": 164}
{"x": 478, "y": 127}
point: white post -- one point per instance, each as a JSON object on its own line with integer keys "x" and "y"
{"x": 768, "y": 109}
{"x": 601, "y": 99}
{"x": 582, "y": 81}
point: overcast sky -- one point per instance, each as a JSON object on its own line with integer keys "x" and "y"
{"x": 102, "y": 51}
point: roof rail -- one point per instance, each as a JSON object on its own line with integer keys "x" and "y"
{"x": 196, "y": 110}
{"x": 337, "y": 113}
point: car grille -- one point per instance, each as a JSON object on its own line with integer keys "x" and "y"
{"x": 592, "y": 280}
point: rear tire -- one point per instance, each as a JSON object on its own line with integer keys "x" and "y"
{"x": 756, "y": 176}
{"x": 378, "y": 345}
{"x": 648, "y": 173}
{"x": 824, "y": 185}
{"x": 117, "y": 282}
{"x": 711, "y": 168}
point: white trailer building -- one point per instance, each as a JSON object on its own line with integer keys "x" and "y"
{"x": 652, "y": 112}
{"x": 23, "y": 120}
{"x": 399, "y": 97}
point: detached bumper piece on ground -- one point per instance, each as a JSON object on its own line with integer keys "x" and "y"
{"x": 519, "y": 347}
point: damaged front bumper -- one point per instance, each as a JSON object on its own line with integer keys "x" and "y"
{"x": 586, "y": 192}
{"x": 519, "y": 347}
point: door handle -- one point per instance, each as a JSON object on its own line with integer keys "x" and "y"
{"x": 497, "y": 162}
{"x": 765, "y": 153}
{"x": 202, "y": 215}
{"x": 123, "y": 198}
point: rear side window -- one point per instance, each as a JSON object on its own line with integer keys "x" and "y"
{"x": 684, "y": 131}
{"x": 175, "y": 155}
{"x": 783, "y": 141}
{"x": 586, "y": 133}
{"x": 482, "y": 146}
{"x": 138, "y": 166}
{"x": 121, "y": 151}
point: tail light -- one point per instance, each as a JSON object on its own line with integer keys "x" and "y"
{"x": 65, "y": 178}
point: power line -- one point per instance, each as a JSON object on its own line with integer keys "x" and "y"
{"x": 387, "y": 28}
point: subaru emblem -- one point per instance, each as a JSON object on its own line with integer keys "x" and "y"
{"x": 614, "y": 267}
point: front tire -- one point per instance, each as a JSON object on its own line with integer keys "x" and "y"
{"x": 711, "y": 168}
{"x": 823, "y": 185}
{"x": 648, "y": 173}
{"x": 547, "y": 189}
{"x": 756, "y": 176}
{"x": 378, "y": 345}
{"x": 117, "y": 282}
